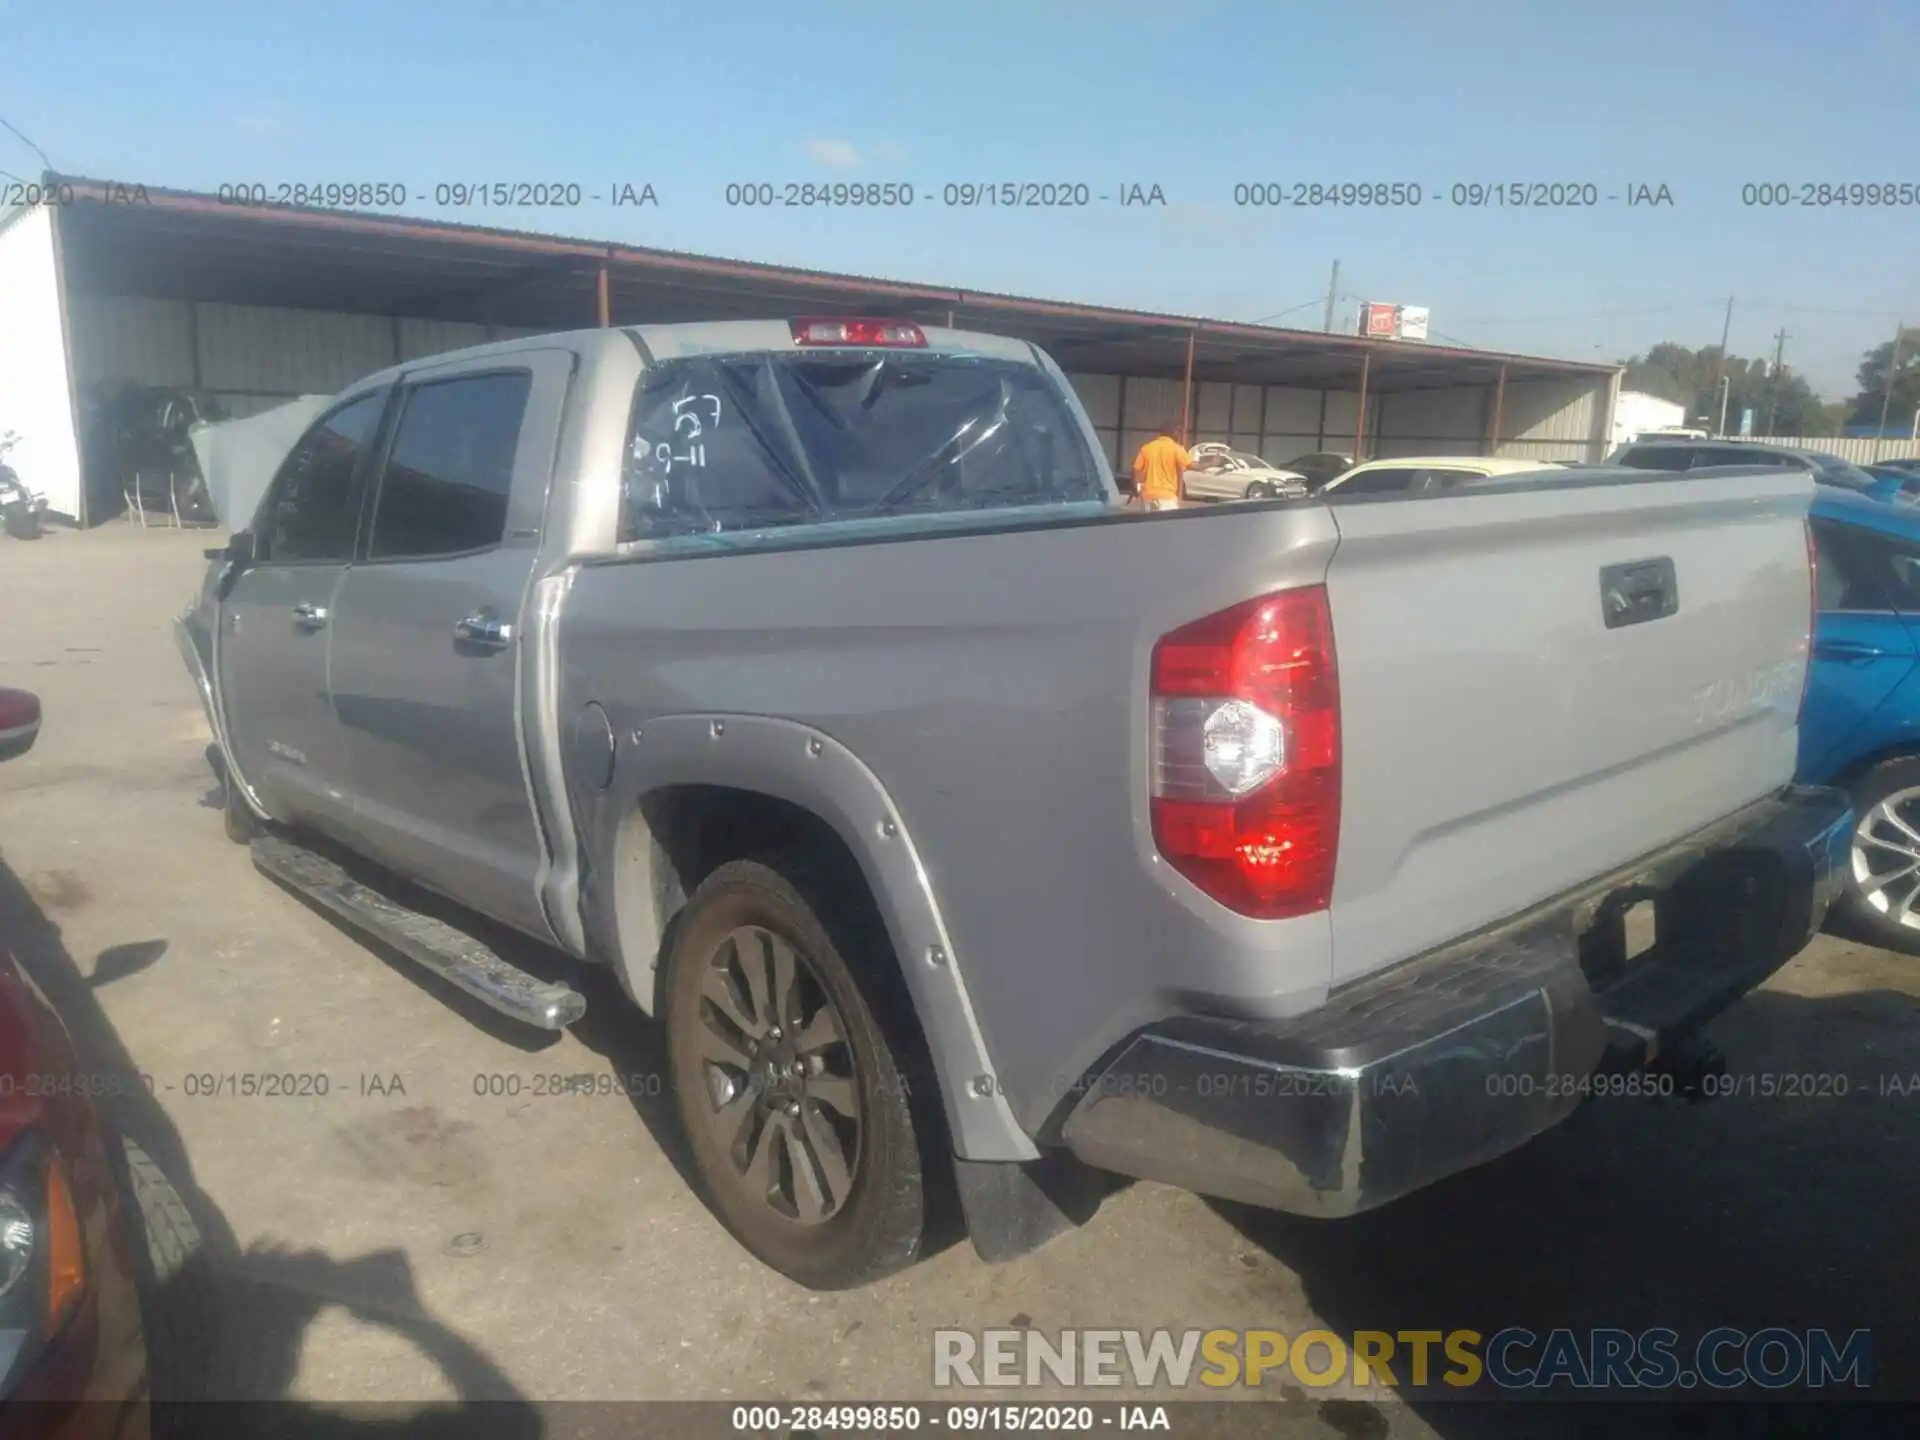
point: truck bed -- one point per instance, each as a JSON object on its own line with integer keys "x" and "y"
{"x": 1500, "y": 740}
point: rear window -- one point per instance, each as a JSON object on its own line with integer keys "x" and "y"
{"x": 1657, "y": 457}
{"x": 734, "y": 442}
{"x": 1709, "y": 455}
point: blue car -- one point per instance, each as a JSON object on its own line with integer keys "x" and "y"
{"x": 1905, "y": 474}
{"x": 1860, "y": 727}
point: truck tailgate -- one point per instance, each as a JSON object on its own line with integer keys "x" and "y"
{"x": 1500, "y": 741}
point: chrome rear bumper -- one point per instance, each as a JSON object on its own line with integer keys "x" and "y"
{"x": 1457, "y": 1056}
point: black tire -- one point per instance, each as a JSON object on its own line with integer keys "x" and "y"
{"x": 25, "y": 524}
{"x": 879, "y": 1225}
{"x": 241, "y": 824}
{"x": 1259, "y": 490}
{"x": 1885, "y": 779}
{"x": 177, "y": 1305}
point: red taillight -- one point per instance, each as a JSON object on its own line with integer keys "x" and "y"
{"x": 1813, "y": 613}
{"x": 1245, "y": 783}
{"x": 858, "y": 332}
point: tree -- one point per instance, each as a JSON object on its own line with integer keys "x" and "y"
{"x": 1689, "y": 377}
{"x": 1872, "y": 376}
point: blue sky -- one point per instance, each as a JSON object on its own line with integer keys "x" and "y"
{"x": 1194, "y": 97}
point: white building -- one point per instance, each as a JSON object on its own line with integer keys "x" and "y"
{"x": 1638, "y": 411}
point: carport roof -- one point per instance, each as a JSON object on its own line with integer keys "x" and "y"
{"x": 187, "y": 245}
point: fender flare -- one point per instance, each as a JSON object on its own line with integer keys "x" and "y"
{"x": 808, "y": 768}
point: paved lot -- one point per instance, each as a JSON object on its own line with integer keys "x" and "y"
{"x": 406, "y": 1237}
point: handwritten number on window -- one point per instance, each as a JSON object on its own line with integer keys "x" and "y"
{"x": 693, "y": 418}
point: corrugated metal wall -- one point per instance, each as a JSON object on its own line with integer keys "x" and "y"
{"x": 1274, "y": 422}
{"x": 1556, "y": 419}
{"x": 1559, "y": 419}
{"x": 1452, "y": 421}
{"x": 250, "y": 357}
{"x": 253, "y": 358}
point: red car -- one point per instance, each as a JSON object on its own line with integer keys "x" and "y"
{"x": 72, "y": 1351}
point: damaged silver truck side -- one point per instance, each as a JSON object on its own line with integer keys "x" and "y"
{"x": 965, "y": 828}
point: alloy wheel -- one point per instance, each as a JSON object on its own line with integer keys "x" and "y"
{"x": 1886, "y": 857}
{"x": 782, "y": 1092}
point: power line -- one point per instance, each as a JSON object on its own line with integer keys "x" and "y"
{"x": 28, "y": 143}
{"x": 1290, "y": 310}
{"x": 1825, "y": 310}
{"x": 1609, "y": 312}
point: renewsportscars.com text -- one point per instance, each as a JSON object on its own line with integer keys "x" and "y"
{"x": 1515, "y": 1358}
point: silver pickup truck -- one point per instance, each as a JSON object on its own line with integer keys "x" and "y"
{"x": 967, "y": 829}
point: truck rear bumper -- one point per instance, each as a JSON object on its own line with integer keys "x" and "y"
{"x": 1459, "y": 1055}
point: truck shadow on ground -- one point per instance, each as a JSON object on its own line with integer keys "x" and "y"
{"x": 1783, "y": 1203}
{"x": 614, "y": 1027}
{"x": 227, "y": 1324}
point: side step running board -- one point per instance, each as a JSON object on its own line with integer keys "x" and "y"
{"x": 453, "y": 955}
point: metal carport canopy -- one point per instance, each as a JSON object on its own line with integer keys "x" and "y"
{"x": 191, "y": 246}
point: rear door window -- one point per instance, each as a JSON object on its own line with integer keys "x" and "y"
{"x": 1392, "y": 480}
{"x": 449, "y": 472}
{"x": 1860, "y": 569}
{"x": 312, "y": 512}
{"x": 735, "y": 442}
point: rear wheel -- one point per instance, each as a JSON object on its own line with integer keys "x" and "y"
{"x": 1883, "y": 881}
{"x": 791, "y": 1097}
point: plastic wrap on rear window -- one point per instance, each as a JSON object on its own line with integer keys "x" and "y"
{"x": 736, "y": 442}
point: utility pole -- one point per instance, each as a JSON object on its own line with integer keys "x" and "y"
{"x": 1773, "y": 387}
{"x": 1333, "y": 292}
{"x": 1893, "y": 368}
{"x": 1720, "y": 367}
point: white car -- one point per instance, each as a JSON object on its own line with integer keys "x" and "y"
{"x": 1425, "y": 474}
{"x": 1220, "y": 472}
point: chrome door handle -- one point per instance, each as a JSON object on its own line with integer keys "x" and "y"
{"x": 484, "y": 629}
{"x": 309, "y": 616}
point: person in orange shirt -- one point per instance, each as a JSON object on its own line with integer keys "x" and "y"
{"x": 1157, "y": 470}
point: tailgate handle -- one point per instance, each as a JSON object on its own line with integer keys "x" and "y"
{"x": 1638, "y": 591}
